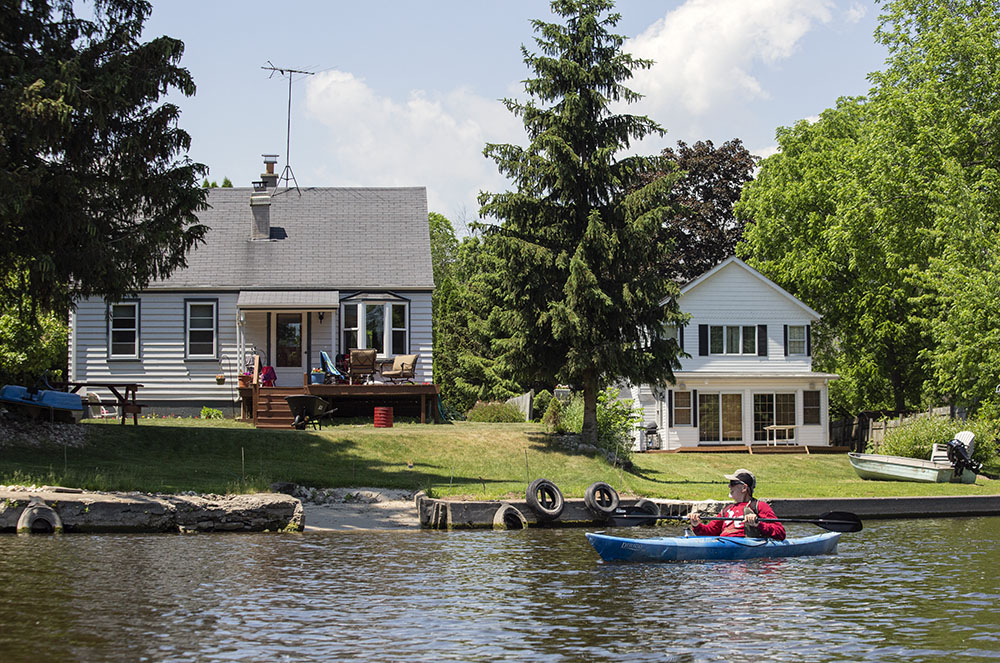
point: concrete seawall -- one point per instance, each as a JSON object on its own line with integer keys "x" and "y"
{"x": 68, "y": 510}
{"x": 444, "y": 514}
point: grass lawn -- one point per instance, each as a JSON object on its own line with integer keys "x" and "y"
{"x": 480, "y": 461}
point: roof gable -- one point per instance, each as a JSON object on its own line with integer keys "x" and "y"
{"x": 735, "y": 263}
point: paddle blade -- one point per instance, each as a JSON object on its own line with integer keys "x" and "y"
{"x": 839, "y": 521}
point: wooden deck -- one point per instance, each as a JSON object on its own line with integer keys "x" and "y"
{"x": 755, "y": 449}
{"x": 270, "y": 410}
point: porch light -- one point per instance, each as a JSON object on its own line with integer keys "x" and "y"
{"x": 242, "y": 318}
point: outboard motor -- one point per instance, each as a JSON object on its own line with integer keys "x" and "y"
{"x": 959, "y": 457}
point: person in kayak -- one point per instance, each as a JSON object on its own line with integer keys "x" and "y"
{"x": 746, "y": 509}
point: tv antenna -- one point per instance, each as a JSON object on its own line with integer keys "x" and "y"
{"x": 287, "y": 173}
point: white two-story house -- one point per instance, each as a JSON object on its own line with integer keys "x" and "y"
{"x": 748, "y": 378}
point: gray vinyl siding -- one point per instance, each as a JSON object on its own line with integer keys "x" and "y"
{"x": 161, "y": 368}
{"x": 421, "y": 335}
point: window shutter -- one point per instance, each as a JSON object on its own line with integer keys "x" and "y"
{"x": 670, "y": 409}
{"x": 761, "y": 340}
{"x": 809, "y": 347}
{"x": 694, "y": 408}
{"x": 703, "y": 340}
{"x": 680, "y": 334}
{"x": 786, "y": 340}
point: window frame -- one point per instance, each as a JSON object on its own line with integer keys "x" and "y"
{"x": 722, "y": 334}
{"x": 719, "y": 420}
{"x": 387, "y": 324}
{"x": 779, "y": 435}
{"x": 817, "y": 408}
{"x": 112, "y": 356}
{"x": 689, "y": 408}
{"x": 188, "y": 302}
{"x": 802, "y": 340}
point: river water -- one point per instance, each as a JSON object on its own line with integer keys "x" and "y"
{"x": 905, "y": 590}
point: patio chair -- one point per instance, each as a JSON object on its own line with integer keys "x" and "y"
{"x": 333, "y": 375}
{"x": 97, "y": 409}
{"x": 403, "y": 369}
{"x": 362, "y": 366}
{"x": 268, "y": 378}
{"x": 939, "y": 452}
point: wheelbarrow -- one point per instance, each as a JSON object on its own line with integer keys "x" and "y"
{"x": 307, "y": 409}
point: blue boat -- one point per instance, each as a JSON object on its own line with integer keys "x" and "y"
{"x": 686, "y": 548}
{"x": 44, "y": 404}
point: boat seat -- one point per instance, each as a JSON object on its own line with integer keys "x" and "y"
{"x": 939, "y": 452}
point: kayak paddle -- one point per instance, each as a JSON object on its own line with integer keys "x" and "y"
{"x": 834, "y": 521}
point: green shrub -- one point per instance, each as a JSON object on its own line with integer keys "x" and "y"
{"x": 210, "y": 413}
{"x": 914, "y": 439}
{"x": 616, "y": 421}
{"x": 541, "y": 403}
{"x": 552, "y": 420}
{"x": 495, "y": 413}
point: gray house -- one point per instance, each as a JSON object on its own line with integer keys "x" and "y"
{"x": 284, "y": 274}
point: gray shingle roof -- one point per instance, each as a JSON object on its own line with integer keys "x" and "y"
{"x": 339, "y": 238}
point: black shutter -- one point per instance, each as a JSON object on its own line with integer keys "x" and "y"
{"x": 703, "y": 340}
{"x": 680, "y": 334}
{"x": 786, "y": 340}
{"x": 761, "y": 340}
{"x": 670, "y": 409}
{"x": 694, "y": 407}
{"x": 809, "y": 343}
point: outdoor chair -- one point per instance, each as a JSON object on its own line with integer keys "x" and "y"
{"x": 97, "y": 409}
{"x": 333, "y": 375}
{"x": 403, "y": 369}
{"x": 362, "y": 366}
{"x": 268, "y": 378}
{"x": 939, "y": 452}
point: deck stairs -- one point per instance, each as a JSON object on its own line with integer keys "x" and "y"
{"x": 271, "y": 408}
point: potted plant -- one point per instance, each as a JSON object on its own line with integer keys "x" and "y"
{"x": 220, "y": 378}
{"x": 316, "y": 376}
{"x": 244, "y": 379}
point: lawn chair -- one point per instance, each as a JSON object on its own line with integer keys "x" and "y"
{"x": 362, "y": 368}
{"x": 333, "y": 375}
{"x": 268, "y": 378}
{"x": 403, "y": 369}
{"x": 97, "y": 409}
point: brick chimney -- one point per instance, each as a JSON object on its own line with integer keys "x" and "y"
{"x": 260, "y": 199}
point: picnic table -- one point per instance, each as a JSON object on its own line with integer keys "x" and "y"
{"x": 125, "y": 392}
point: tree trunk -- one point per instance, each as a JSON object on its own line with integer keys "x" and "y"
{"x": 589, "y": 433}
{"x": 896, "y": 380}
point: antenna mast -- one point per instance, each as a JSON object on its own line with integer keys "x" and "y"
{"x": 287, "y": 173}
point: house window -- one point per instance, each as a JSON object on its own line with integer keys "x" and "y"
{"x": 376, "y": 325}
{"x": 682, "y": 408}
{"x": 288, "y": 330}
{"x": 773, "y": 410}
{"x": 796, "y": 339}
{"x": 732, "y": 339}
{"x": 201, "y": 323}
{"x": 810, "y": 408}
{"x": 720, "y": 417}
{"x": 124, "y": 332}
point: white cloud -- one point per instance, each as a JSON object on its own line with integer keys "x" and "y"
{"x": 706, "y": 51}
{"x": 856, "y": 12}
{"x": 432, "y": 140}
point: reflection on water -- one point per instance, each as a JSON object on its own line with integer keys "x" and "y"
{"x": 898, "y": 591}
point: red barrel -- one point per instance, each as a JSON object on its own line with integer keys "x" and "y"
{"x": 383, "y": 417}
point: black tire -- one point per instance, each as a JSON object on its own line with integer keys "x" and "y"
{"x": 545, "y": 499}
{"x": 645, "y": 506}
{"x": 601, "y": 499}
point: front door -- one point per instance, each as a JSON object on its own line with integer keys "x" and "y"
{"x": 288, "y": 352}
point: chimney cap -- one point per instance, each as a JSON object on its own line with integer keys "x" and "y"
{"x": 270, "y": 158}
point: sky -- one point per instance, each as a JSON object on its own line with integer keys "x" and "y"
{"x": 409, "y": 93}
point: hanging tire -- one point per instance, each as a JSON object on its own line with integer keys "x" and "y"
{"x": 644, "y": 506}
{"x": 601, "y": 500}
{"x": 545, "y": 499}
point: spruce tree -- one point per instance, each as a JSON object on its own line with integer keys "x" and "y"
{"x": 584, "y": 301}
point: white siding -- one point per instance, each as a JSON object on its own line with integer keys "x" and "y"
{"x": 733, "y": 296}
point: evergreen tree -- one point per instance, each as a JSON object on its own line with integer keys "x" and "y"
{"x": 583, "y": 299}
{"x": 95, "y": 195}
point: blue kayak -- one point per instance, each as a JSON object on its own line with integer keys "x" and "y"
{"x": 684, "y": 548}
{"x": 39, "y": 403}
